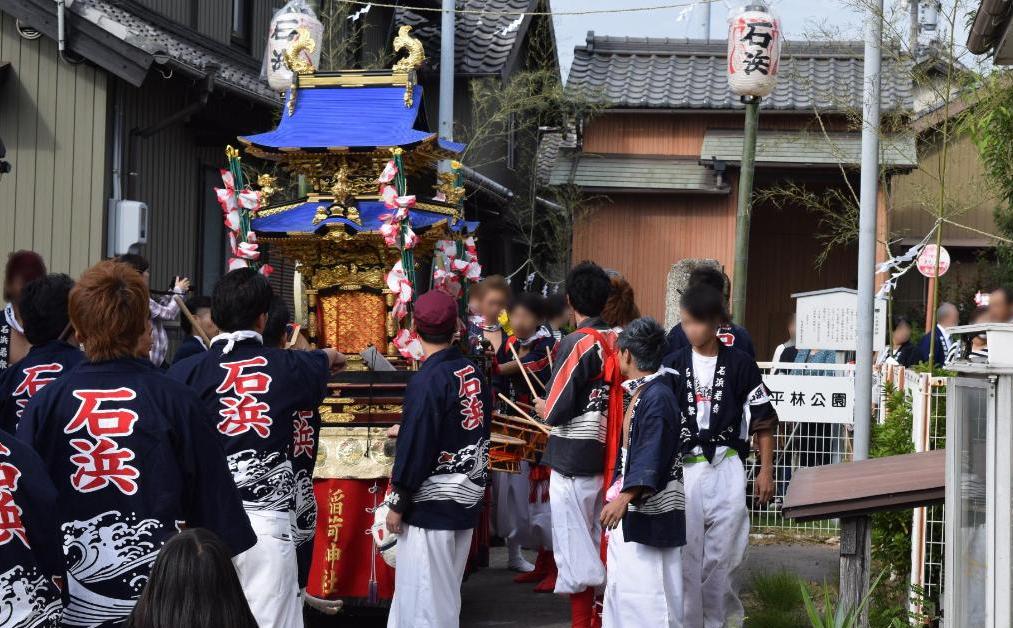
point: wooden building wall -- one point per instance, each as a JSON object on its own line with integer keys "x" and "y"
{"x": 915, "y": 196}
{"x": 53, "y": 120}
{"x": 643, "y": 235}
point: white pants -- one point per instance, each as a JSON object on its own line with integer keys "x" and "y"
{"x": 511, "y": 491}
{"x": 269, "y": 574}
{"x": 540, "y": 514}
{"x": 427, "y": 581}
{"x": 576, "y": 531}
{"x": 643, "y": 587}
{"x": 717, "y": 533}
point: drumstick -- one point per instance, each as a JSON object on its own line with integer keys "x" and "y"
{"x": 524, "y": 372}
{"x": 524, "y": 415}
{"x": 193, "y": 321}
{"x": 548, "y": 352}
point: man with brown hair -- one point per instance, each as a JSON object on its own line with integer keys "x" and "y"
{"x": 132, "y": 454}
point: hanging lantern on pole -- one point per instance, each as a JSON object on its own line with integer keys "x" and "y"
{"x": 754, "y": 52}
{"x": 284, "y": 26}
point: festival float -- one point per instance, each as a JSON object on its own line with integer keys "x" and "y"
{"x": 366, "y": 246}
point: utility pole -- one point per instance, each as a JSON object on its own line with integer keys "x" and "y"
{"x": 447, "y": 71}
{"x": 855, "y": 531}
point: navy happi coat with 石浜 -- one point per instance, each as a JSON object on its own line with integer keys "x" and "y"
{"x": 739, "y": 403}
{"x": 30, "y": 551}
{"x": 442, "y": 459}
{"x": 21, "y": 381}
{"x": 133, "y": 458}
{"x": 305, "y": 441}
{"x": 253, "y": 394}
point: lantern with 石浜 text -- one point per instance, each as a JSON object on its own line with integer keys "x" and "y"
{"x": 284, "y": 27}
{"x": 754, "y": 50}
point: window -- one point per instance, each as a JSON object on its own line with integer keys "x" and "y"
{"x": 241, "y": 23}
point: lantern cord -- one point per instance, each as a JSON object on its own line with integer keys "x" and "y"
{"x": 657, "y": 7}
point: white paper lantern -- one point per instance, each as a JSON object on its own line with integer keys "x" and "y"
{"x": 283, "y": 28}
{"x": 754, "y": 51}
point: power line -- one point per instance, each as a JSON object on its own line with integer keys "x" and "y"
{"x": 494, "y": 12}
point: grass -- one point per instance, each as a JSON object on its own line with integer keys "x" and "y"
{"x": 775, "y": 601}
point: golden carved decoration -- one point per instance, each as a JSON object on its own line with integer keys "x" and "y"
{"x": 347, "y": 275}
{"x": 323, "y": 213}
{"x": 353, "y": 453}
{"x": 294, "y": 57}
{"x": 340, "y": 187}
{"x": 327, "y": 417}
{"x": 452, "y": 193}
{"x": 353, "y": 320}
{"x": 266, "y": 184}
{"x": 366, "y": 408}
{"x": 408, "y": 65}
{"x": 231, "y": 152}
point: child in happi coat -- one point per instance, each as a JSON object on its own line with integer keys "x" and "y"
{"x": 577, "y": 409}
{"x": 43, "y": 309}
{"x": 522, "y": 509}
{"x": 130, "y": 452}
{"x": 23, "y": 267}
{"x": 730, "y": 334}
{"x": 31, "y": 552}
{"x": 644, "y": 510}
{"x": 254, "y": 392}
{"x": 723, "y": 402}
{"x": 440, "y": 472}
{"x": 490, "y": 296}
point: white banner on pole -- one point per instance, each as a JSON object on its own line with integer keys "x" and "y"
{"x": 812, "y": 398}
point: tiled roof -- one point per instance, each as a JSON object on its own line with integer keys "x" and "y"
{"x": 648, "y": 174}
{"x": 808, "y": 148}
{"x": 234, "y": 71}
{"x": 482, "y": 42}
{"x": 652, "y": 73}
{"x": 548, "y": 152}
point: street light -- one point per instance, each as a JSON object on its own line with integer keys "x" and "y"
{"x": 754, "y": 53}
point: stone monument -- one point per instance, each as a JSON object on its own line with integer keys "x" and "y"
{"x": 678, "y": 278}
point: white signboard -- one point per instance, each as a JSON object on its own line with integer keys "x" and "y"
{"x": 812, "y": 398}
{"x": 828, "y": 320}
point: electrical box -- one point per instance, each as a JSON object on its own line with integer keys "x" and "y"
{"x": 128, "y": 226}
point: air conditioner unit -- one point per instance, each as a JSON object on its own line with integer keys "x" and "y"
{"x": 128, "y": 226}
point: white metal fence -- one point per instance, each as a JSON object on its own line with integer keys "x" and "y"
{"x": 801, "y": 443}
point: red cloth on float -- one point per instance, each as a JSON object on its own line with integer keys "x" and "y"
{"x": 343, "y": 551}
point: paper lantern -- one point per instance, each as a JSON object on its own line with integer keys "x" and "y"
{"x": 280, "y": 37}
{"x": 754, "y": 51}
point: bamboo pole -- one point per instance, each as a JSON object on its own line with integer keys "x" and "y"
{"x": 193, "y": 321}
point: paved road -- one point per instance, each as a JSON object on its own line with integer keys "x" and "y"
{"x": 492, "y": 600}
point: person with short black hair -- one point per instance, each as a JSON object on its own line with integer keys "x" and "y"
{"x": 254, "y": 391}
{"x": 558, "y": 315}
{"x": 723, "y": 401}
{"x": 440, "y": 472}
{"x": 519, "y": 521}
{"x": 644, "y": 510}
{"x": 162, "y": 309}
{"x": 730, "y": 334}
{"x": 43, "y": 309}
{"x": 193, "y": 344}
{"x": 576, "y": 407}
{"x": 193, "y": 584}
{"x": 131, "y": 453}
{"x": 1000, "y": 305}
{"x": 22, "y": 268}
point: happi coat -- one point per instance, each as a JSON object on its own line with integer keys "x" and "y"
{"x": 740, "y": 405}
{"x": 305, "y": 440}
{"x": 21, "y": 381}
{"x": 577, "y": 403}
{"x": 535, "y": 362}
{"x": 134, "y": 459}
{"x": 253, "y": 394}
{"x": 441, "y": 465}
{"x": 653, "y": 462}
{"x": 30, "y": 545}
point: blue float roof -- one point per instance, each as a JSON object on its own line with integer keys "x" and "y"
{"x": 348, "y": 118}
{"x": 299, "y": 219}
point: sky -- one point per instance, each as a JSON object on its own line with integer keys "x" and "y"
{"x": 800, "y": 19}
